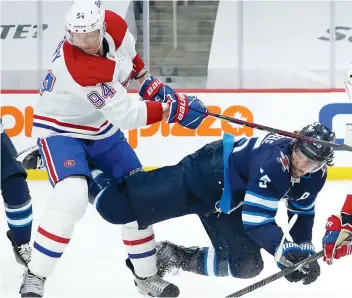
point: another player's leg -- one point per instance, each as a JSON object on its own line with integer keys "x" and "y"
{"x": 17, "y": 201}
{"x": 120, "y": 160}
{"x": 234, "y": 254}
{"x": 67, "y": 168}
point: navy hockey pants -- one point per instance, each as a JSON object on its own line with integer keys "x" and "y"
{"x": 193, "y": 186}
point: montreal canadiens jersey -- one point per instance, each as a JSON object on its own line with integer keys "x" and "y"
{"x": 260, "y": 174}
{"x": 346, "y": 212}
{"x": 85, "y": 96}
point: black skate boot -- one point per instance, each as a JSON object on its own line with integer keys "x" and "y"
{"x": 171, "y": 257}
{"x": 32, "y": 285}
{"x": 22, "y": 252}
{"x": 154, "y": 286}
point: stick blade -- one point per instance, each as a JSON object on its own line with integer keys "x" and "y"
{"x": 343, "y": 147}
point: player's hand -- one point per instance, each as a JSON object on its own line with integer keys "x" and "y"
{"x": 188, "y": 111}
{"x": 154, "y": 89}
{"x": 335, "y": 241}
{"x": 293, "y": 253}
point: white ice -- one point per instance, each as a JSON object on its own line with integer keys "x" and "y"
{"x": 93, "y": 264}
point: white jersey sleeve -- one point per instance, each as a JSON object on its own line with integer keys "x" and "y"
{"x": 130, "y": 43}
{"x": 116, "y": 27}
{"x": 120, "y": 109}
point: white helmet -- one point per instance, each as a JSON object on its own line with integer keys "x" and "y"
{"x": 85, "y": 16}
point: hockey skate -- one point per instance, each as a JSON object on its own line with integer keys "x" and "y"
{"x": 32, "y": 285}
{"x": 154, "y": 286}
{"x": 22, "y": 252}
{"x": 171, "y": 257}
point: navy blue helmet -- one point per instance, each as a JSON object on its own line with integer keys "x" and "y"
{"x": 314, "y": 151}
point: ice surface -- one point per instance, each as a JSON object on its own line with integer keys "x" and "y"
{"x": 93, "y": 264}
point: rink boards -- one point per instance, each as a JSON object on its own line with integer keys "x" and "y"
{"x": 161, "y": 144}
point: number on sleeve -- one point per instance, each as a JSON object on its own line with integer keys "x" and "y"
{"x": 107, "y": 90}
{"x": 95, "y": 98}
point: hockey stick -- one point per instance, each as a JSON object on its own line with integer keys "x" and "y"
{"x": 277, "y": 275}
{"x": 280, "y": 132}
{"x": 291, "y": 223}
{"x": 27, "y": 151}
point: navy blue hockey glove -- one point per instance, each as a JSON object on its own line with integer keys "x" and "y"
{"x": 293, "y": 253}
{"x": 188, "y": 111}
{"x": 154, "y": 89}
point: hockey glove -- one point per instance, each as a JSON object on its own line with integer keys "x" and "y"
{"x": 312, "y": 269}
{"x": 154, "y": 89}
{"x": 31, "y": 159}
{"x": 293, "y": 253}
{"x": 336, "y": 241}
{"x": 188, "y": 111}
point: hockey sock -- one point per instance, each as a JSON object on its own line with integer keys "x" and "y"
{"x": 56, "y": 228}
{"x": 141, "y": 248}
{"x": 18, "y": 208}
{"x": 205, "y": 262}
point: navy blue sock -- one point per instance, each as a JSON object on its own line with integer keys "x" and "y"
{"x": 18, "y": 208}
{"x": 205, "y": 262}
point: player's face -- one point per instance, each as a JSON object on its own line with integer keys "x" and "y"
{"x": 302, "y": 165}
{"x": 87, "y": 42}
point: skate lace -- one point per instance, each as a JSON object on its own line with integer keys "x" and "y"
{"x": 157, "y": 283}
{"x": 25, "y": 251}
{"x": 35, "y": 284}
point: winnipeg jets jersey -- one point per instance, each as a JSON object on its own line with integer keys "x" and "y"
{"x": 260, "y": 174}
{"x": 85, "y": 96}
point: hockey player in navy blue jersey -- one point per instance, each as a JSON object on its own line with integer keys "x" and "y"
{"x": 17, "y": 201}
{"x": 234, "y": 186}
{"x": 235, "y": 189}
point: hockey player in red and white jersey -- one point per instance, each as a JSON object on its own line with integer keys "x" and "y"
{"x": 83, "y": 106}
{"x": 337, "y": 241}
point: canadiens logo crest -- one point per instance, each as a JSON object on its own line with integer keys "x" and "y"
{"x": 285, "y": 162}
{"x": 69, "y": 163}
